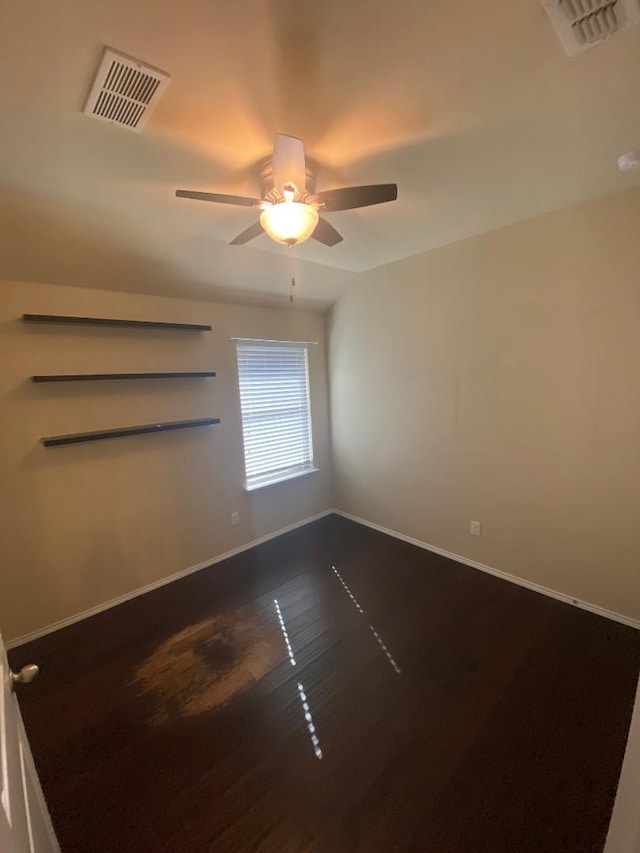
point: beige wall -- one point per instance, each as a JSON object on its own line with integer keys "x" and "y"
{"x": 495, "y": 379}
{"x": 498, "y": 379}
{"x": 83, "y": 524}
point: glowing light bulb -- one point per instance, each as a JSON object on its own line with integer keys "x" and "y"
{"x": 289, "y": 222}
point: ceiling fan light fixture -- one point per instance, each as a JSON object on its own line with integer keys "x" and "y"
{"x": 289, "y": 222}
{"x": 289, "y": 201}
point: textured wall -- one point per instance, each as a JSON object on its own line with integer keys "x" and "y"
{"x": 83, "y": 524}
{"x": 497, "y": 379}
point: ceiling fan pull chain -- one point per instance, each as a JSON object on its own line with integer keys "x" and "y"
{"x": 292, "y": 277}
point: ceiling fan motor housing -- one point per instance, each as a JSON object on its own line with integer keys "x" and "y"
{"x": 267, "y": 187}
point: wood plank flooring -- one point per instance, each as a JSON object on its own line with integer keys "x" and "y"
{"x": 430, "y": 708}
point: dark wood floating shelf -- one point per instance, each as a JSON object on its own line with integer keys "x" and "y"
{"x": 91, "y": 377}
{"x": 121, "y": 432}
{"x": 104, "y": 321}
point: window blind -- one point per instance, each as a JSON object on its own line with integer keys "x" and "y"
{"x": 276, "y": 419}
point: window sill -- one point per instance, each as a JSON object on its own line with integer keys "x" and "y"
{"x": 284, "y": 479}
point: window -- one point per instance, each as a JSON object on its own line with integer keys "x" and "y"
{"x": 276, "y": 419}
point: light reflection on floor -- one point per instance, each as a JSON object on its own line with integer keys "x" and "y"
{"x": 385, "y": 650}
{"x": 377, "y": 636}
{"x": 303, "y": 697}
{"x": 283, "y": 628}
{"x": 348, "y": 591}
{"x": 309, "y": 720}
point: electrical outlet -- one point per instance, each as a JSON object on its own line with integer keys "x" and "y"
{"x": 235, "y": 519}
{"x": 475, "y": 528}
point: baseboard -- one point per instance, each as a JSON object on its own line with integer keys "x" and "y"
{"x": 535, "y": 587}
{"x": 107, "y": 605}
{"x": 543, "y": 590}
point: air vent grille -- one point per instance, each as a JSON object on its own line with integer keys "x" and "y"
{"x": 125, "y": 90}
{"x": 583, "y": 23}
{"x": 597, "y": 23}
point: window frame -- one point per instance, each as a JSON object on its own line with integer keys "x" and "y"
{"x": 274, "y": 476}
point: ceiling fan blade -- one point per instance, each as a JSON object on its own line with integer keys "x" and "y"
{"x": 240, "y": 200}
{"x": 348, "y": 198}
{"x": 249, "y": 233}
{"x": 288, "y": 162}
{"x": 326, "y": 233}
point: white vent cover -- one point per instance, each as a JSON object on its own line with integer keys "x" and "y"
{"x": 629, "y": 161}
{"x": 125, "y": 90}
{"x": 581, "y": 24}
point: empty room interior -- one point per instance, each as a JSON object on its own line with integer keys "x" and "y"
{"x": 320, "y": 457}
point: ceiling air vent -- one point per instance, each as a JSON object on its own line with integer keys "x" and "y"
{"x": 581, "y": 24}
{"x": 125, "y": 90}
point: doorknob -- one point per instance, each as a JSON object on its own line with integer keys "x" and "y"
{"x": 26, "y": 674}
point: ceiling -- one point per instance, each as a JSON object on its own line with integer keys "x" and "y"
{"x": 473, "y": 109}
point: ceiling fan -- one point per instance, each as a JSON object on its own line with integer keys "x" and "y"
{"x": 290, "y": 205}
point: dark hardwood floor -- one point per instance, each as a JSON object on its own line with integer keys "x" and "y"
{"x": 431, "y": 708}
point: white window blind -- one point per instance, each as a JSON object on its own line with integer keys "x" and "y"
{"x": 276, "y": 418}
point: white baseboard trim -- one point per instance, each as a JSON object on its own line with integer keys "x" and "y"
{"x": 543, "y": 590}
{"x": 107, "y": 605}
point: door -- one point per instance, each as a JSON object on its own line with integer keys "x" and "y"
{"x": 25, "y": 825}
